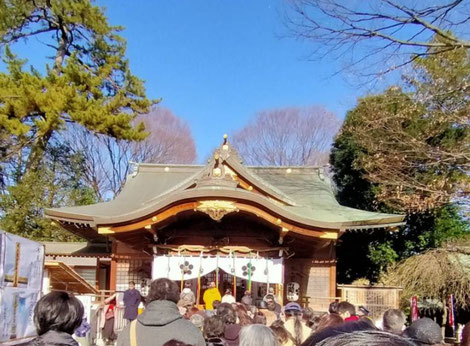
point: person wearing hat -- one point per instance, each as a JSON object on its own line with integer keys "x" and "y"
{"x": 424, "y": 332}
{"x": 298, "y": 331}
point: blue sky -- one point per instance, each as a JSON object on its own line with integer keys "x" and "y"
{"x": 216, "y": 63}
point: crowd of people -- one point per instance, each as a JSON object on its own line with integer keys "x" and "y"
{"x": 171, "y": 318}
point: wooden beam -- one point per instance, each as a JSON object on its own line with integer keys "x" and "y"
{"x": 173, "y": 211}
{"x": 149, "y": 228}
{"x": 245, "y": 185}
{"x": 105, "y": 230}
{"x": 156, "y": 218}
{"x": 279, "y": 222}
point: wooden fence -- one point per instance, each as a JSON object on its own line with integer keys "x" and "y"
{"x": 375, "y": 299}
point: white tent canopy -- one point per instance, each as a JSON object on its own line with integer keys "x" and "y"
{"x": 264, "y": 270}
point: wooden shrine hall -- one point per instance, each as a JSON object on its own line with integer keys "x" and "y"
{"x": 243, "y": 227}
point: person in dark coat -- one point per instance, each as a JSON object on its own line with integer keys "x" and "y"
{"x": 424, "y": 332}
{"x": 132, "y": 299}
{"x": 213, "y": 331}
{"x": 232, "y": 330}
{"x": 161, "y": 321}
{"x": 56, "y": 316}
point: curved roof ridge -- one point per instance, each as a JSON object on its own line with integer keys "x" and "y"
{"x": 194, "y": 165}
{"x": 326, "y": 166}
{"x": 150, "y": 164}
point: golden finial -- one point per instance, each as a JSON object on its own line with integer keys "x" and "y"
{"x": 225, "y": 144}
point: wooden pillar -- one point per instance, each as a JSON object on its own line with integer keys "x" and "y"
{"x": 332, "y": 256}
{"x": 113, "y": 274}
{"x": 97, "y": 274}
{"x": 113, "y": 268}
{"x": 333, "y": 279}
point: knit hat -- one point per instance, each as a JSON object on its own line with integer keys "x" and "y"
{"x": 424, "y": 331}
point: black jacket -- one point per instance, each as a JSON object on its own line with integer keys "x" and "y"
{"x": 54, "y": 338}
{"x": 216, "y": 342}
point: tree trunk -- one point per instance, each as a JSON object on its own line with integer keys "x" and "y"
{"x": 37, "y": 152}
{"x": 62, "y": 49}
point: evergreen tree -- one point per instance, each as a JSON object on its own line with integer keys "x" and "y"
{"x": 368, "y": 254}
{"x": 406, "y": 152}
{"x": 87, "y": 82}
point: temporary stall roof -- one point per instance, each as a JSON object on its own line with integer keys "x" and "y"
{"x": 63, "y": 277}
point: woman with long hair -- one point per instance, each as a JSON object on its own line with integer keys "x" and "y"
{"x": 298, "y": 331}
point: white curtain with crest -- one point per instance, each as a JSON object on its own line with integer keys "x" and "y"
{"x": 263, "y": 270}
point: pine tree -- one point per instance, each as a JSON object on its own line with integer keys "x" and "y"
{"x": 87, "y": 82}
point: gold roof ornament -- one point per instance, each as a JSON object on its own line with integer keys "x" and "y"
{"x": 225, "y": 144}
{"x": 216, "y": 209}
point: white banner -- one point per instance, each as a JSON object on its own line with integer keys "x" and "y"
{"x": 21, "y": 274}
{"x": 264, "y": 270}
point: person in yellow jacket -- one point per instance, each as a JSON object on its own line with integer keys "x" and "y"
{"x": 210, "y": 295}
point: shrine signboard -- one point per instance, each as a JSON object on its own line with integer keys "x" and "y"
{"x": 21, "y": 271}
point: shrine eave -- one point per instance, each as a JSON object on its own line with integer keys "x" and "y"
{"x": 298, "y": 199}
{"x": 189, "y": 200}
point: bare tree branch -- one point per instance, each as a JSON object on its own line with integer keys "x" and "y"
{"x": 108, "y": 161}
{"x": 378, "y": 31}
{"x": 288, "y": 137}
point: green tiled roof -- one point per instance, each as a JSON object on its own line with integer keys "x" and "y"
{"x": 308, "y": 189}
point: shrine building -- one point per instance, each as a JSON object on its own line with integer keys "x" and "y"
{"x": 243, "y": 227}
